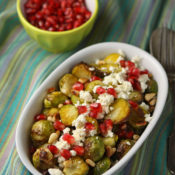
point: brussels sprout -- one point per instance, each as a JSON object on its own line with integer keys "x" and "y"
{"x": 43, "y": 159}
{"x": 53, "y": 99}
{"x": 51, "y": 112}
{"x": 82, "y": 71}
{"x": 90, "y": 86}
{"x": 123, "y": 147}
{"x": 94, "y": 148}
{"x": 66, "y": 83}
{"x": 93, "y": 121}
{"x": 121, "y": 111}
{"x": 75, "y": 166}
{"x": 152, "y": 87}
{"x": 41, "y": 131}
{"x": 75, "y": 99}
{"x": 68, "y": 113}
{"x": 109, "y": 141}
{"x": 102, "y": 166}
{"x": 137, "y": 119}
{"x": 136, "y": 96}
{"x": 112, "y": 58}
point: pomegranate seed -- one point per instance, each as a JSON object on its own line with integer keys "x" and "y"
{"x": 58, "y": 125}
{"x": 78, "y": 86}
{"x": 129, "y": 134}
{"x": 129, "y": 64}
{"x": 89, "y": 126}
{"x": 40, "y": 117}
{"x": 109, "y": 124}
{"x": 123, "y": 63}
{"x": 133, "y": 71}
{"x": 100, "y": 90}
{"x": 79, "y": 150}
{"x": 133, "y": 104}
{"x": 144, "y": 72}
{"x": 112, "y": 91}
{"x": 96, "y": 107}
{"x": 67, "y": 102}
{"x": 69, "y": 138}
{"x": 137, "y": 85}
{"x": 53, "y": 149}
{"x": 131, "y": 79}
{"x": 87, "y": 15}
{"x": 122, "y": 133}
{"x": 65, "y": 153}
{"x": 103, "y": 129}
{"x": 93, "y": 78}
{"x": 93, "y": 114}
{"x": 82, "y": 109}
{"x": 77, "y": 23}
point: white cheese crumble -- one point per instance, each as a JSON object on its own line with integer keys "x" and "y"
{"x": 136, "y": 59}
{"x": 61, "y": 161}
{"x": 144, "y": 106}
{"x": 91, "y": 68}
{"x": 62, "y": 144}
{"x": 80, "y": 121}
{"x": 86, "y": 96}
{"x": 121, "y": 52}
{"x": 92, "y": 132}
{"x": 73, "y": 153}
{"x": 66, "y": 130}
{"x": 112, "y": 69}
{"x": 148, "y": 118}
{"x": 119, "y": 59}
{"x": 79, "y": 134}
{"x": 55, "y": 171}
{"x": 109, "y": 134}
{"x": 143, "y": 81}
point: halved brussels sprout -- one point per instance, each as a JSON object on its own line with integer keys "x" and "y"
{"x": 102, "y": 166}
{"x": 68, "y": 113}
{"x": 41, "y": 131}
{"x": 66, "y": 83}
{"x": 123, "y": 147}
{"x": 112, "y": 58}
{"x": 152, "y": 87}
{"x": 54, "y": 98}
{"x": 75, "y": 166}
{"x": 75, "y": 99}
{"x": 120, "y": 112}
{"x": 94, "y": 148}
{"x": 43, "y": 159}
{"x": 82, "y": 71}
{"x": 51, "y": 111}
{"x": 136, "y": 96}
{"x": 109, "y": 141}
{"x": 90, "y": 86}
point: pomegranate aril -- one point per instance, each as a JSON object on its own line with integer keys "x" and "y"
{"x": 89, "y": 126}
{"x": 112, "y": 91}
{"x": 103, "y": 129}
{"x": 40, "y": 117}
{"x": 133, "y": 104}
{"x": 63, "y": 4}
{"x": 93, "y": 78}
{"x": 82, "y": 109}
{"x": 122, "y": 63}
{"x": 129, "y": 64}
{"x": 137, "y": 85}
{"x": 96, "y": 107}
{"x": 109, "y": 124}
{"x": 144, "y": 72}
{"x": 129, "y": 134}
{"x": 100, "y": 90}
{"x": 79, "y": 150}
{"x": 93, "y": 114}
{"x": 53, "y": 149}
{"x": 65, "y": 153}
{"x": 78, "y": 86}
{"x": 77, "y": 23}
{"x": 87, "y": 15}
{"x": 58, "y": 125}
{"x": 69, "y": 138}
{"x": 67, "y": 102}
{"x": 69, "y": 26}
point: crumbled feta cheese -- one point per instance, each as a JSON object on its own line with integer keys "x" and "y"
{"x": 61, "y": 144}
{"x": 148, "y": 118}
{"x": 143, "y": 81}
{"x": 73, "y": 153}
{"x": 92, "y": 132}
{"x": 144, "y": 106}
{"x": 102, "y": 114}
{"x": 119, "y": 59}
{"x": 80, "y": 121}
{"x": 66, "y": 130}
{"x": 105, "y": 99}
{"x": 128, "y": 143}
{"x": 79, "y": 134}
{"x": 112, "y": 69}
{"x": 95, "y": 88}
{"x": 109, "y": 134}
{"x": 111, "y": 108}
{"x": 77, "y": 104}
{"x": 136, "y": 59}
{"x": 91, "y": 68}
{"x": 60, "y": 161}
{"x": 86, "y": 96}
{"x": 123, "y": 95}
{"x": 55, "y": 171}
{"x": 121, "y": 52}
{"x": 97, "y": 61}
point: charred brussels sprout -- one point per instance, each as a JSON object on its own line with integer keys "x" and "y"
{"x": 109, "y": 141}
{"x": 75, "y": 166}
{"x": 90, "y": 86}
{"x": 53, "y": 99}
{"x": 112, "y": 58}
{"x": 41, "y": 131}
{"x": 43, "y": 159}
{"x": 51, "y": 112}
{"x": 76, "y": 99}
{"x": 102, "y": 166}
{"x": 152, "y": 87}
{"x": 94, "y": 148}
{"x": 136, "y": 96}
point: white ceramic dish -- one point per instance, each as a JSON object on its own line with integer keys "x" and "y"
{"x": 90, "y": 54}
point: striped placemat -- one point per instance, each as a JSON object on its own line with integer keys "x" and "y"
{"x": 24, "y": 65}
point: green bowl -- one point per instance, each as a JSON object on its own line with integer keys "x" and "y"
{"x": 59, "y": 41}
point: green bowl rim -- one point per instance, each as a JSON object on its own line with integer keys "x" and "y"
{"x": 20, "y": 14}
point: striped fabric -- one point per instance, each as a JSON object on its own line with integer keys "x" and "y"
{"x": 24, "y": 66}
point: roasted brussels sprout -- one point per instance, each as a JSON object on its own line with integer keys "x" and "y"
{"x": 68, "y": 113}
{"x": 66, "y": 83}
{"x": 152, "y": 87}
{"x": 112, "y": 58}
{"x": 75, "y": 166}
{"x": 94, "y": 148}
{"x": 43, "y": 159}
{"x": 109, "y": 141}
{"x": 123, "y": 147}
{"x": 75, "y": 99}
{"x": 136, "y": 96}
{"x": 102, "y": 166}
{"x": 41, "y": 131}
{"x": 82, "y": 71}
{"x": 53, "y": 99}
{"x": 90, "y": 86}
{"x": 121, "y": 111}
{"x": 93, "y": 121}
{"x": 51, "y": 112}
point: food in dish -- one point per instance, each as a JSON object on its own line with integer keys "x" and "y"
{"x": 94, "y": 117}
